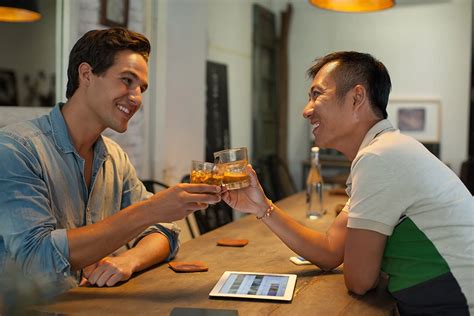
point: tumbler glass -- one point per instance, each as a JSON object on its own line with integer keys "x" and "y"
{"x": 231, "y": 164}
{"x": 205, "y": 172}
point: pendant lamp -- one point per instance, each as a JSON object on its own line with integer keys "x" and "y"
{"x": 353, "y": 5}
{"x": 19, "y": 11}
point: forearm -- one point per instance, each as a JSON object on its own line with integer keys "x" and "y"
{"x": 363, "y": 259}
{"x": 91, "y": 243}
{"x": 151, "y": 249}
{"x": 321, "y": 249}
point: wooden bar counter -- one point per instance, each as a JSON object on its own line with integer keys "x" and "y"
{"x": 158, "y": 290}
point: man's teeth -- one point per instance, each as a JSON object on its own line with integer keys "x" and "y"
{"x": 123, "y": 109}
{"x": 316, "y": 125}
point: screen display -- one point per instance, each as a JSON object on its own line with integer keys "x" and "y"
{"x": 252, "y": 284}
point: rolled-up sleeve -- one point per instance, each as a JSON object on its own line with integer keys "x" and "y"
{"x": 169, "y": 230}
{"x": 135, "y": 191}
{"x": 27, "y": 225}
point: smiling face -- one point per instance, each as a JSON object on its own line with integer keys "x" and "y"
{"x": 116, "y": 95}
{"x": 332, "y": 118}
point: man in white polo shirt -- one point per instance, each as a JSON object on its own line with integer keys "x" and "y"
{"x": 408, "y": 214}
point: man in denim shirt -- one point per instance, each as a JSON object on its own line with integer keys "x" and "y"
{"x": 70, "y": 197}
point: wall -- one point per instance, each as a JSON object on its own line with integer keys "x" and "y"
{"x": 187, "y": 34}
{"x": 177, "y": 126}
{"x": 426, "y": 48}
{"x": 230, "y": 42}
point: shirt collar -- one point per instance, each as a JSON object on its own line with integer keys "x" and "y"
{"x": 61, "y": 134}
{"x": 60, "y": 131}
{"x": 379, "y": 128}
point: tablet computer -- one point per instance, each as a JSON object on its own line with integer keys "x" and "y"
{"x": 253, "y": 285}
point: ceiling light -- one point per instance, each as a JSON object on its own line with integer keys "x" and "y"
{"x": 19, "y": 11}
{"x": 353, "y": 5}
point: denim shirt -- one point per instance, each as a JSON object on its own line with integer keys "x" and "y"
{"x": 43, "y": 193}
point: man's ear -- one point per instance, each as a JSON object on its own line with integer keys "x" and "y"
{"x": 359, "y": 96}
{"x": 85, "y": 73}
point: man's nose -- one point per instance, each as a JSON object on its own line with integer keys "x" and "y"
{"x": 308, "y": 110}
{"x": 135, "y": 97}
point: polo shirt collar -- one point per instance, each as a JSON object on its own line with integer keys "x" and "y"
{"x": 379, "y": 128}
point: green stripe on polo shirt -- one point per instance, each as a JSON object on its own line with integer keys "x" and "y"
{"x": 410, "y": 257}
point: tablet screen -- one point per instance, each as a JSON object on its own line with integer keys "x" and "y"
{"x": 255, "y": 285}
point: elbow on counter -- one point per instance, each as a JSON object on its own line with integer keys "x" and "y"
{"x": 329, "y": 265}
{"x": 359, "y": 286}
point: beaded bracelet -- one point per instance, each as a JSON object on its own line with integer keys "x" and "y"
{"x": 268, "y": 211}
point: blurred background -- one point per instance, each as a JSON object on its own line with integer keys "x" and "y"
{"x": 232, "y": 73}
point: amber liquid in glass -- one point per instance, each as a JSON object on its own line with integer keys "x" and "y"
{"x": 200, "y": 176}
{"x": 234, "y": 176}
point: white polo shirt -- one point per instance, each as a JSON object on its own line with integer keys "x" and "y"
{"x": 399, "y": 189}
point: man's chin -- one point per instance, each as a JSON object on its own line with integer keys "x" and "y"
{"x": 120, "y": 130}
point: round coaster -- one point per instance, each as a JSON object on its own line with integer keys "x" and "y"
{"x": 232, "y": 242}
{"x": 191, "y": 266}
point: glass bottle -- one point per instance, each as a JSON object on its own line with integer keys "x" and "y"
{"x": 314, "y": 188}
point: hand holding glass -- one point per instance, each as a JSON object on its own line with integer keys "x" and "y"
{"x": 231, "y": 164}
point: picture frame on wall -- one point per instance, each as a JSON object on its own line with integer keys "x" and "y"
{"x": 8, "y": 88}
{"x": 114, "y": 12}
{"x": 419, "y": 118}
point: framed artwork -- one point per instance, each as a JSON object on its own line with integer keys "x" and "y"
{"x": 419, "y": 118}
{"x": 8, "y": 90}
{"x": 114, "y": 12}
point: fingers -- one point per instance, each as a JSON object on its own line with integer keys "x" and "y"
{"x": 193, "y": 207}
{"x": 95, "y": 275}
{"x": 108, "y": 277}
{"x": 114, "y": 279}
{"x": 200, "y": 188}
{"x": 226, "y": 197}
{"x": 106, "y": 273}
{"x": 198, "y": 193}
{"x": 202, "y": 198}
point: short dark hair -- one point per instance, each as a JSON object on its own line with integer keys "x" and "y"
{"x": 98, "y": 48}
{"x": 358, "y": 68}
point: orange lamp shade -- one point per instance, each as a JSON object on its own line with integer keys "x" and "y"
{"x": 19, "y": 11}
{"x": 353, "y": 5}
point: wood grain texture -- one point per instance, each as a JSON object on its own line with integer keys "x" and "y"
{"x": 158, "y": 290}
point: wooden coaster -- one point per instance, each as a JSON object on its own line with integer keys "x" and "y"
{"x": 232, "y": 242}
{"x": 191, "y": 266}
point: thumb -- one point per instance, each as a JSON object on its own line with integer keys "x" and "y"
{"x": 252, "y": 175}
{"x": 83, "y": 282}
